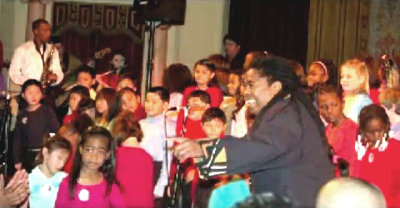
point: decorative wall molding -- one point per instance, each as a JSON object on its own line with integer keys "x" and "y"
{"x": 385, "y": 28}
{"x": 108, "y": 19}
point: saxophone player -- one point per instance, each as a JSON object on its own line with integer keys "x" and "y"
{"x": 30, "y": 59}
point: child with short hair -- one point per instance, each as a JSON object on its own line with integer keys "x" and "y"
{"x": 198, "y": 102}
{"x": 354, "y": 79}
{"x": 92, "y": 181}
{"x": 204, "y": 73}
{"x": 341, "y": 132}
{"x": 378, "y": 154}
{"x": 222, "y": 191}
{"x": 129, "y": 100}
{"x": 76, "y": 94}
{"x": 156, "y": 128}
{"x": 135, "y": 176}
{"x": 85, "y": 76}
{"x": 46, "y": 177}
{"x": 390, "y": 101}
{"x": 88, "y": 107}
{"x": 73, "y": 132}
{"x": 34, "y": 121}
{"x": 190, "y": 127}
{"x": 106, "y": 107}
{"x": 127, "y": 81}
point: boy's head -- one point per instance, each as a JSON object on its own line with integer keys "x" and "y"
{"x": 330, "y": 104}
{"x": 77, "y": 93}
{"x": 198, "y": 101}
{"x": 128, "y": 100}
{"x": 85, "y": 77}
{"x": 87, "y": 106}
{"x": 213, "y": 122}
{"x": 390, "y": 101}
{"x": 127, "y": 81}
{"x": 157, "y": 100}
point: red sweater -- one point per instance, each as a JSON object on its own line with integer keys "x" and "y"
{"x": 214, "y": 92}
{"x": 383, "y": 170}
{"x": 110, "y": 79}
{"x": 342, "y": 139}
{"x": 374, "y": 95}
{"x": 140, "y": 113}
{"x": 70, "y": 118}
{"x": 134, "y": 172}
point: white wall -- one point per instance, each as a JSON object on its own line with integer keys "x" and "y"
{"x": 13, "y": 18}
{"x": 206, "y": 23}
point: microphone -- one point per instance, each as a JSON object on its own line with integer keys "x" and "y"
{"x": 178, "y": 108}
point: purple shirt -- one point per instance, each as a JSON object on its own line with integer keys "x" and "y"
{"x": 89, "y": 196}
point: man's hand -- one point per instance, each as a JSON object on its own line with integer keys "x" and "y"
{"x": 16, "y": 191}
{"x": 186, "y": 148}
{"x": 18, "y": 166}
{"x": 52, "y": 77}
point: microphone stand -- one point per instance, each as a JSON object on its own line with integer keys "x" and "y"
{"x": 4, "y": 130}
{"x": 176, "y": 195}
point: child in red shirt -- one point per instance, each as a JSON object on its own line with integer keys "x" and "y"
{"x": 134, "y": 166}
{"x": 76, "y": 94}
{"x": 378, "y": 154}
{"x": 203, "y": 75}
{"x": 197, "y": 103}
{"x": 129, "y": 100}
{"x": 341, "y": 132}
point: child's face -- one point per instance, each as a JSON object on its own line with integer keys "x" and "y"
{"x": 118, "y": 61}
{"x": 101, "y": 106}
{"x": 154, "y": 105}
{"x": 375, "y": 129}
{"x": 233, "y": 84}
{"x": 125, "y": 83}
{"x": 330, "y": 107}
{"x": 316, "y": 75}
{"x": 74, "y": 99}
{"x": 350, "y": 80}
{"x": 94, "y": 153}
{"x": 33, "y": 95}
{"x": 129, "y": 102}
{"x": 85, "y": 79}
{"x": 214, "y": 128}
{"x": 202, "y": 75}
{"x": 54, "y": 160}
{"x": 197, "y": 108}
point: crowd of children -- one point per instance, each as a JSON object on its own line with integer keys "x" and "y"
{"x": 112, "y": 151}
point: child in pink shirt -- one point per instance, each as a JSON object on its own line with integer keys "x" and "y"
{"x": 92, "y": 180}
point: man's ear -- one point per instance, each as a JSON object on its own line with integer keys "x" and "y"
{"x": 276, "y": 86}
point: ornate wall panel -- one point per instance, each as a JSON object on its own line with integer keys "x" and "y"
{"x": 109, "y": 19}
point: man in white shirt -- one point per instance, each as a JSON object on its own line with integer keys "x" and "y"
{"x": 30, "y": 57}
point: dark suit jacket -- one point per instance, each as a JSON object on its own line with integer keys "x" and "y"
{"x": 285, "y": 154}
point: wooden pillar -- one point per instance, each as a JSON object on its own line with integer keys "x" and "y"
{"x": 36, "y": 10}
{"x": 160, "y": 54}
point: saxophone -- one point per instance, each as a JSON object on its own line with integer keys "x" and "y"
{"x": 46, "y": 68}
